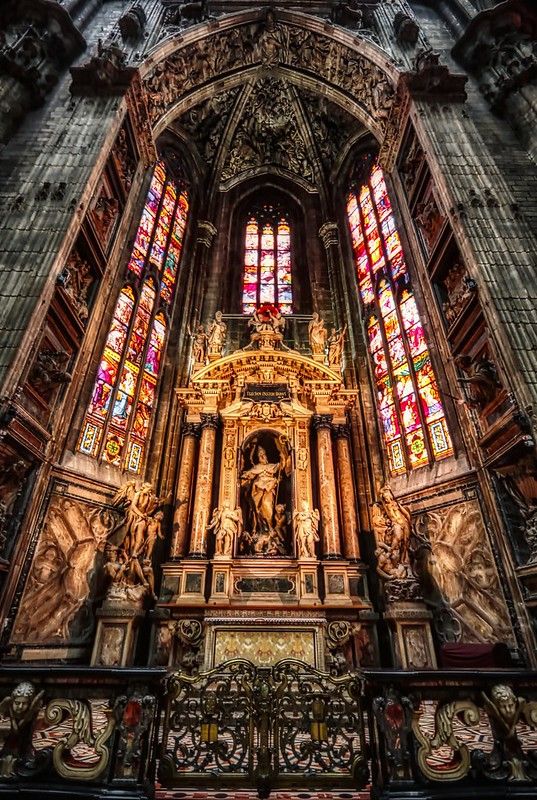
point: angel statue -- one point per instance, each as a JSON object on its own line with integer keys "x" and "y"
{"x": 227, "y": 525}
{"x": 306, "y": 530}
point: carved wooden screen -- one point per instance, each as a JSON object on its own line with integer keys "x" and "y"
{"x": 117, "y": 421}
{"x": 267, "y": 274}
{"x": 411, "y": 411}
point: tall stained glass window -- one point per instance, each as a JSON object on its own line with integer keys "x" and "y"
{"x": 409, "y": 404}
{"x": 267, "y": 261}
{"x": 118, "y": 417}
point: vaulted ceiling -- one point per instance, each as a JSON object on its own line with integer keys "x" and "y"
{"x": 269, "y": 125}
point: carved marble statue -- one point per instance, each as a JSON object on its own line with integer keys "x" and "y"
{"x": 130, "y": 547}
{"x": 227, "y": 525}
{"x": 306, "y": 530}
{"x": 216, "y": 335}
{"x": 200, "y": 343}
{"x": 317, "y": 335}
{"x": 261, "y": 483}
{"x": 392, "y": 528}
{"x": 21, "y": 707}
{"x": 335, "y": 347}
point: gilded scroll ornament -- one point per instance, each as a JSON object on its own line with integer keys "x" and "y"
{"x": 444, "y": 717}
{"x": 79, "y": 714}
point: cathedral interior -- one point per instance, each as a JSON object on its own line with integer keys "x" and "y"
{"x": 268, "y": 337}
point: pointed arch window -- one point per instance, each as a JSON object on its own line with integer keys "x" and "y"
{"x": 409, "y": 404}
{"x": 267, "y": 275}
{"x": 117, "y": 421}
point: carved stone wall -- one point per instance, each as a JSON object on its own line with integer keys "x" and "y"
{"x": 460, "y": 577}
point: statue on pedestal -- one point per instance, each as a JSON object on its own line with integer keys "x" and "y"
{"x": 335, "y": 347}
{"x": 216, "y": 335}
{"x": 227, "y": 525}
{"x": 267, "y": 324}
{"x": 392, "y": 527}
{"x": 131, "y": 542}
{"x": 317, "y": 335}
{"x": 306, "y": 530}
{"x": 199, "y": 345}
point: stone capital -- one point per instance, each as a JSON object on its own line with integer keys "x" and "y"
{"x": 341, "y": 431}
{"x": 206, "y": 233}
{"x": 192, "y": 429}
{"x": 320, "y": 421}
{"x": 329, "y": 233}
{"x": 209, "y": 421}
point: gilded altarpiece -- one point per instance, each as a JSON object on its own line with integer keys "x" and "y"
{"x": 271, "y": 525}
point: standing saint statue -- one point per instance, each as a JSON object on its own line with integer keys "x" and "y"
{"x": 199, "y": 345}
{"x": 216, "y": 335}
{"x": 261, "y": 483}
{"x": 317, "y": 335}
{"x": 227, "y": 525}
{"x": 335, "y": 347}
{"x": 306, "y": 530}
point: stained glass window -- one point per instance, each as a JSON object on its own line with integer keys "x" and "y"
{"x": 267, "y": 261}
{"x": 409, "y": 404}
{"x": 118, "y": 417}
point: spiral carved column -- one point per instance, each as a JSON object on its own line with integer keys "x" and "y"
{"x": 204, "y": 486}
{"x": 327, "y": 486}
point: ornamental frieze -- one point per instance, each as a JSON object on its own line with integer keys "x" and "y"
{"x": 269, "y": 44}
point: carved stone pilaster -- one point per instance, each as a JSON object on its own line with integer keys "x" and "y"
{"x": 206, "y": 233}
{"x": 395, "y": 127}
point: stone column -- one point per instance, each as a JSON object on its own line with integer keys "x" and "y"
{"x": 204, "y": 486}
{"x": 183, "y": 488}
{"x": 347, "y": 494}
{"x": 327, "y": 486}
{"x": 329, "y": 235}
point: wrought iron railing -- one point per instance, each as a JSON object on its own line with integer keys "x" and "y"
{"x": 81, "y": 731}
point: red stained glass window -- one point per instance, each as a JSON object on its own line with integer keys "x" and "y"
{"x": 410, "y": 409}
{"x": 118, "y": 417}
{"x": 267, "y": 276}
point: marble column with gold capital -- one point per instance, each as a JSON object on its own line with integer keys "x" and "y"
{"x": 349, "y": 519}
{"x": 204, "y": 486}
{"x": 183, "y": 489}
{"x": 322, "y": 424}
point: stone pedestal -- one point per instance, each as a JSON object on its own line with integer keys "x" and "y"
{"x": 221, "y": 581}
{"x": 308, "y": 582}
{"x": 116, "y": 636}
{"x": 336, "y": 583}
{"x": 410, "y": 624}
